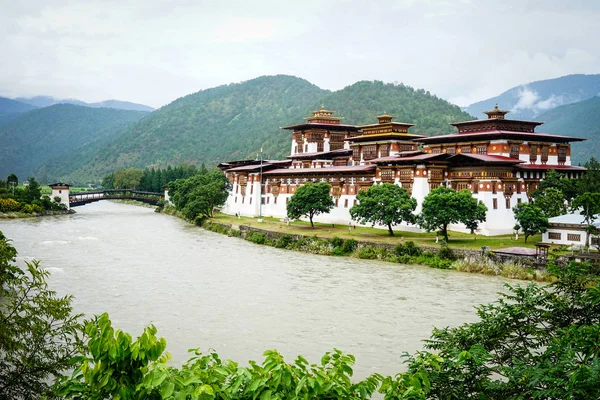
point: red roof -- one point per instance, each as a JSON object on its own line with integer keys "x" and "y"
{"x": 518, "y": 251}
{"x": 258, "y": 166}
{"x": 544, "y": 167}
{"x": 498, "y": 134}
{"x": 488, "y": 158}
{"x": 324, "y": 170}
{"x": 332, "y": 153}
{"x": 322, "y": 125}
{"x": 409, "y": 158}
{"x": 496, "y": 120}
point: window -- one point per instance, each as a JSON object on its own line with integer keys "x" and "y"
{"x": 518, "y": 201}
{"x": 436, "y": 150}
{"x": 562, "y": 154}
{"x": 355, "y": 201}
{"x": 514, "y": 151}
{"x": 495, "y": 203}
{"x": 554, "y": 235}
{"x": 451, "y": 150}
{"x": 319, "y": 146}
{"x": 235, "y": 199}
{"x": 356, "y": 154}
{"x": 466, "y": 149}
{"x": 384, "y": 150}
{"x": 533, "y": 153}
{"x": 573, "y": 237}
{"x": 250, "y": 200}
{"x": 545, "y": 154}
{"x": 346, "y": 203}
{"x": 369, "y": 152}
{"x": 387, "y": 175}
{"x": 336, "y": 202}
{"x": 508, "y": 203}
{"x": 274, "y": 200}
{"x": 482, "y": 149}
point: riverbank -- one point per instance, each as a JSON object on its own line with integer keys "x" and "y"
{"x": 363, "y": 243}
{"x": 18, "y": 215}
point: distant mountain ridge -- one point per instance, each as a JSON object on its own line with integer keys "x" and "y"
{"x": 580, "y": 119}
{"x": 50, "y": 141}
{"x": 529, "y": 101}
{"x": 235, "y": 121}
{"x": 46, "y": 101}
{"x": 11, "y": 109}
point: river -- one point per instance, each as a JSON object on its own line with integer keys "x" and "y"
{"x": 206, "y": 290}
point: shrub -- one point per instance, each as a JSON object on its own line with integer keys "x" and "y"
{"x": 283, "y": 242}
{"x": 372, "y": 253}
{"x": 446, "y": 253}
{"x": 337, "y": 242}
{"x": 349, "y": 246}
{"x": 256, "y": 237}
{"x": 407, "y": 249}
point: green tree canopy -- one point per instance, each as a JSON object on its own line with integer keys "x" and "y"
{"x": 559, "y": 181}
{"x": 38, "y": 332}
{"x": 531, "y": 218}
{"x": 199, "y": 195}
{"x": 444, "y": 206}
{"x": 128, "y": 178}
{"x": 588, "y": 204}
{"x": 590, "y": 181}
{"x": 385, "y": 204}
{"x": 309, "y": 200}
{"x": 552, "y": 202}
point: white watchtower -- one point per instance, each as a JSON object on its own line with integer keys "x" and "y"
{"x": 61, "y": 190}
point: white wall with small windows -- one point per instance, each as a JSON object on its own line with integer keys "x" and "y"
{"x": 569, "y": 230}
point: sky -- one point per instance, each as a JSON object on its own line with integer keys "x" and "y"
{"x": 155, "y": 51}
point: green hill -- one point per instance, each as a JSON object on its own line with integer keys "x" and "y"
{"x": 11, "y": 109}
{"x": 579, "y": 119}
{"x": 51, "y": 141}
{"x": 234, "y": 121}
{"x": 531, "y": 100}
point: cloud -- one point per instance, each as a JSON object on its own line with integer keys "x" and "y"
{"x": 529, "y": 99}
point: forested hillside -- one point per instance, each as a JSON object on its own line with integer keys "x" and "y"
{"x": 50, "y": 142}
{"x": 530, "y": 100}
{"x": 579, "y": 119}
{"x": 11, "y": 109}
{"x": 235, "y": 121}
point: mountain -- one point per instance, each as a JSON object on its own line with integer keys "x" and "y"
{"x": 580, "y": 119}
{"x": 46, "y": 101}
{"x": 52, "y": 141}
{"x": 530, "y": 100}
{"x": 234, "y": 121}
{"x": 11, "y": 109}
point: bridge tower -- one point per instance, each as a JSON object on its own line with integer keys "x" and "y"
{"x": 61, "y": 190}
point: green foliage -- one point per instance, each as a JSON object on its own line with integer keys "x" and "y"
{"x": 555, "y": 180}
{"x": 531, "y": 218}
{"x": 590, "y": 181}
{"x": 38, "y": 335}
{"x": 384, "y": 204}
{"x": 588, "y": 204}
{"x": 52, "y": 142}
{"x": 310, "y": 199}
{"x": 446, "y": 253}
{"x": 114, "y": 366}
{"x": 536, "y": 342}
{"x": 200, "y": 194}
{"x": 407, "y": 249}
{"x": 128, "y": 178}
{"x": 444, "y": 206}
{"x": 552, "y": 202}
{"x": 283, "y": 242}
{"x": 234, "y": 121}
{"x": 256, "y": 237}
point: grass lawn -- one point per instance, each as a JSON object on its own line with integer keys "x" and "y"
{"x": 456, "y": 239}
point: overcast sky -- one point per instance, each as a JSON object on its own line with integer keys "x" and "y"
{"x": 154, "y": 51}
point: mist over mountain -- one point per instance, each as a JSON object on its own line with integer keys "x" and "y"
{"x": 237, "y": 120}
{"x": 46, "y": 101}
{"x": 529, "y": 101}
{"x": 580, "y": 119}
{"x": 11, "y": 109}
{"x": 51, "y": 141}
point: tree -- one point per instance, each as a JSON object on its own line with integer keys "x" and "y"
{"x": 128, "y": 178}
{"x": 558, "y": 181}
{"x": 39, "y": 334}
{"x": 199, "y": 195}
{"x": 552, "y": 202}
{"x": 444, "y": 206}
{"x": 590, "y": 181}
{"x": 33, "y": 191}
{"x": 588, "y": 204}
{"x": 310, "y": 199}
{"x": 531, "y": 218}
{"x": 108, "y": 182}
{"x": 385, "y": 204}
{"x": 536, "y": 342}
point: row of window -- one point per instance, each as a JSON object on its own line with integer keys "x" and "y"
{"x": 571, "y": 237}
{"x": 506, "y": 203}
